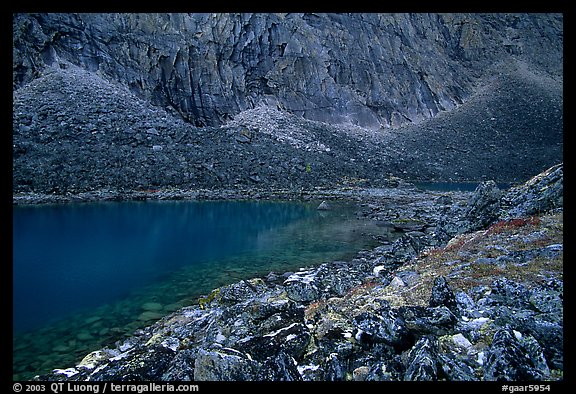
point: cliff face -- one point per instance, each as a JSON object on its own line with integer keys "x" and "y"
{"x": 116, "y": 101}
{"x": 373, "y": 70}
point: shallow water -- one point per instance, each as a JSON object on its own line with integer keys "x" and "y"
{"x": 86, "y": 275}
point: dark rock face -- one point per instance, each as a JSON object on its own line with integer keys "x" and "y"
{"x": 423, "y": 361}
{"x": 442, "y": 295}
{"x": 209, "y": 67}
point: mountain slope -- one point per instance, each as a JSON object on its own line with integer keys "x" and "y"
{"x": 372, "y": 70}
{"x": 99, "y": 100}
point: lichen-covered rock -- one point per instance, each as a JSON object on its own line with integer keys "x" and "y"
{"x": 541, "y": 193}
{"x": 292, "y": 340}
{"x": 508, "y": 360}
{"x": 303, "y": 286}
{"x": 442, "y": 295}
{"x": 223, "y": 364}
{"x": 431, "y": 320}
{"x": 280, "y": 368}
{"x": 423, "y": 362}
{"x": 387, "y": 326}
{"x": 484, "y": 205}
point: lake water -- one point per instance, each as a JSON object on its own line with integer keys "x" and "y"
{"x": 86, "y": 275}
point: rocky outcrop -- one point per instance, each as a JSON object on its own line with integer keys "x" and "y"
{"x": 372, "y": 70}
{"x": 541, "y": 193}
{"x": 480, "y": 307}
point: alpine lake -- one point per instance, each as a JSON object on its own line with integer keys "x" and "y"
{"x": 86, "y": 275}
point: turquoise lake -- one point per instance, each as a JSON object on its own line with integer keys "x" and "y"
{"x": 86, "y": 275}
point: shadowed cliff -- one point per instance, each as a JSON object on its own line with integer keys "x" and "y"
{"x": 372, "y": 70}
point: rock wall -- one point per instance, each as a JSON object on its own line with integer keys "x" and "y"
{"x": 373, "y": 70}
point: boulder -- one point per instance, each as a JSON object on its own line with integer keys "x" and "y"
{"x": 302, "y": 286}
{"x": 223, "y": 364}
{"x": 386, "y": 327}
{"x": 420, "y": 321}
{"x": 423, "y": 360}
{"x": 483, "y": 206}
{"x": 280, "y": 368}
{"x": 540, "y": 194}
{"x": 442, "y": 295}
{"x": 508, "y": 360}
{"x": 292, "y": 340}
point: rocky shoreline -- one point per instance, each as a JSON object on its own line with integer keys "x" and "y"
{"x": 472, "y": 290}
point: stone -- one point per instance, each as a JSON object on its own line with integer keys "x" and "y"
{"x": 243, "y": 139}
{"x": 84, "y": 336}
{"x": 302, "y": 286}
{"x": 443, "y": 200}
{"x": 484, "y": 205}
{"x": 92, "y": 319}
{"x": 428, "y": 320}
{"x": 92, "y": 359}
{"x": 386, "y": 327}
{"x": 455, "y": 369}
{"x": 508, "y": 360}
{"x": 461, "y": 341}
{"x": 540, "y": 194}
{"x": 222, "y": 364}
{"x": 292, "y": 340}
{"x": 397, "y": 282}
{"x": 360, "y": 373}
{"x": 280, "y": 368}
{"x": 442, "y": 295}
{"x": 150, "y": 315}
{"x": 324, "y": 206}
{"x": 423, "y": 362}
{"x": 334, "y": 370}
{"x": 408, "y": 225}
